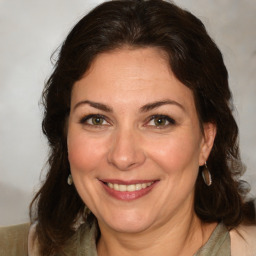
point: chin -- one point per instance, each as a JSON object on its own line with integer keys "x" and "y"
{"x": 127, "y": 222}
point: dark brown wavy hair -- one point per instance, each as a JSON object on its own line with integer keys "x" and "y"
{"x": 195, "y": 60}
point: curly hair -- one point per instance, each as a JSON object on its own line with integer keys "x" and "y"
{"x": 195, "y": 60}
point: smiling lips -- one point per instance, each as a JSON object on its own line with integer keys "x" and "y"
{"x": 130, "y": 188}
{"x": 122, "y": 191}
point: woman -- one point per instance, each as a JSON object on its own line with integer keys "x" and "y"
{"x": 144, "y": 155}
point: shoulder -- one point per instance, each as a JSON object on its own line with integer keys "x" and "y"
{"x": 33, "y": 248}
{"x": 83, "y": 240}
{"x": 243, "y": 241}
{"x": 14, "y": 240}
{"x": 21, "y": 240}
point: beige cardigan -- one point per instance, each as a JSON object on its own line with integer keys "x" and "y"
{"x": 17, "y": 241}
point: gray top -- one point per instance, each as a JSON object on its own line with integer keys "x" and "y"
{"x": 217, "y": 245}
{"x": 14, "y": 242}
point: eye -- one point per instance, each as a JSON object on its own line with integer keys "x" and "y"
{"x": 161, "y": 121}
{"x": 94, "y": 120}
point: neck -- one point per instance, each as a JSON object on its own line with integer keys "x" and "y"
{"x": 177, "y": 237}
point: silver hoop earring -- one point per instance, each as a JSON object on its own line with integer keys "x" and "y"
{"x": 70, "y": 180}
{"x": 207, "y": 177}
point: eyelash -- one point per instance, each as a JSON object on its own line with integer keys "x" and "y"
{"x": 170, "y": 120}
{"x": 85, "y": 119}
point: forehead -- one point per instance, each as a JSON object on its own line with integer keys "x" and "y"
{"x": 126, "y": 75}
{"x": 135, "y": 63}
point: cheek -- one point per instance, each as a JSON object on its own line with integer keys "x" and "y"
{"x": 177, "y": 153}
{"x": 84, "y": 153}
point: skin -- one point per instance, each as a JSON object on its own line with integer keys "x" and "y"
{"x": 128, "y": 145}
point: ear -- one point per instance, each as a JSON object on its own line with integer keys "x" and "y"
{"x": 210, "y": 131}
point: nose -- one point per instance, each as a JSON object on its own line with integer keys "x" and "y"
{"x": 126, "y": 151}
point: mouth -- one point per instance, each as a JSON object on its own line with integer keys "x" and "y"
{"x": 131, "y": 190}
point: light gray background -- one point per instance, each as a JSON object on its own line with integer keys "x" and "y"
{"x": 30, "y": 30}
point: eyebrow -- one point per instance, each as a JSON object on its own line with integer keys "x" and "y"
{"x": 157, "y": 104}
{"x": 145, "y": 108}
{"x": 93, "y": 104}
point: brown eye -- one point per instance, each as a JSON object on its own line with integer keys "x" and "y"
{"x": 97, "y": 120}
{"x": 94, "y": 120}
{"x": 160, "y": 121}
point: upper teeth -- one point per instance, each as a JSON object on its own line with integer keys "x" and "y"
{"x": 130, "y": 188}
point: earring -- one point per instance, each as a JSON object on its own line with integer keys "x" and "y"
{"x": 87, "y": 211}
{"x": 70, "y": 180}
{"x": 207, "y": 177}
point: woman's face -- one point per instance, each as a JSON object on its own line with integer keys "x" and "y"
{"x": 134, "y": 141}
